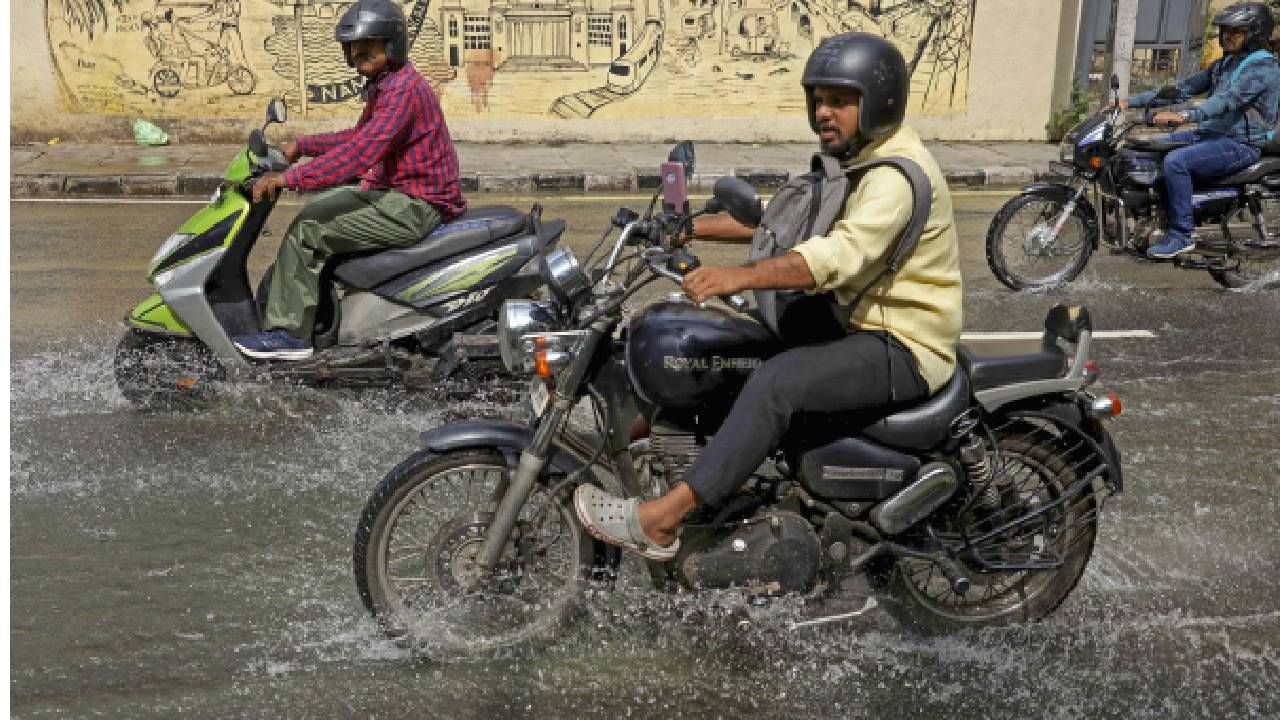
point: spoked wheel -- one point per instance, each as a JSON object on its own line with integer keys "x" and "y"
{"x": 417, "y": 548}
{"x": 1025, "y": 254}
{"x": 159, "y": 371}
{"x": 1256, "y": 270}
{"x": 1030, "y": 478}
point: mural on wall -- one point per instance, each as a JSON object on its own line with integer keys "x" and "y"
{"x": 494, "y": 58}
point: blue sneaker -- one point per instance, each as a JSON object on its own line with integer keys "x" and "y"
{"x": 1171, "y": 247}
{"x": 273, "y": 345}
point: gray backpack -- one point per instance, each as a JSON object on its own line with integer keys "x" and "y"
{"x": 809, "y": 205}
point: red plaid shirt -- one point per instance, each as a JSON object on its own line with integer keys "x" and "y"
{"x": 401, "y": 142}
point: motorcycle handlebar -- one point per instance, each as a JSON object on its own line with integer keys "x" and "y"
{"x": 683, "y": 266}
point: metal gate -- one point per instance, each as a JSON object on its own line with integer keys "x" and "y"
{"x": 1168, "y": 42}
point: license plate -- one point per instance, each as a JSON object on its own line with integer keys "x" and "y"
{"x": 539, "y": 396}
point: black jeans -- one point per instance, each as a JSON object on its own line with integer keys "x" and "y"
{"x": 849, "y": 373}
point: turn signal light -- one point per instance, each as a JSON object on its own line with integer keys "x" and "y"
{"x": 540, "y": 364}
{"x": 1116, "y": 407}
{"x": 1095, "y": 162}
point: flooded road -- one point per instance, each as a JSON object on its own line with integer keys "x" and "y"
{"x": 200, "y": 562}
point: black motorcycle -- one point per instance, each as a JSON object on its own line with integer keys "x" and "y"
{"x": 1043, "y": 237}
{"x": 978, "y": 506}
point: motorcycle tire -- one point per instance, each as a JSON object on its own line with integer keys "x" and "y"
{"x": 1042, "y": 210}
{"x": 1012, "y": 597}
{"x": 162, "y": 372}
{"x": 1247, "y": 277}
{"x": 440, "y": 608}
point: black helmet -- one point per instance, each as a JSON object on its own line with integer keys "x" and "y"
{"x": 871, "y": 65}
{"x": 374, "y": 19}
{"x": 1255, "y": 17}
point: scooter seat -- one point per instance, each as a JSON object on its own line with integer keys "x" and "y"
{"x": 926, "y": 425}
{"x": 474, "y": 228}
{"x": 990, "y": 371}
{"x": 1252, "y": 174}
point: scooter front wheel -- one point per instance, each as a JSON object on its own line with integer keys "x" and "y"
{"x": 155, "y": 371}
{"x": 1024, "y": 251}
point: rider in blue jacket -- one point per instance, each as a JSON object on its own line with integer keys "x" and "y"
{"x": 1234, "y": 124}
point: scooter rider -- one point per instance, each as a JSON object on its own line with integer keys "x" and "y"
{"x": 401, "y": 149}
{"x": 1234, "y": 123}
{"x": 900, "y": 345}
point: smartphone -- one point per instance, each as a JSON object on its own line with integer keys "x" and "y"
{"x": 675, "y": 191}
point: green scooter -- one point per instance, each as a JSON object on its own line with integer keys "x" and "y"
{"x": 410, "y": 316}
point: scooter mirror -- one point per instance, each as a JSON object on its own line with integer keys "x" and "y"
{"x": 277, "y": 111}
{"x": 736, "y": 196}
{"x": 258, "y": 143}
{"x": 1115, "y": 82}
{"x": 683, "y": 154}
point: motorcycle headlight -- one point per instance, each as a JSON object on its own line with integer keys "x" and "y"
{"x": 1067, "y": 151}
{"x": 565, "y": 278}
{"x": 171, "y": 243}
{"x": 518, "y": 318}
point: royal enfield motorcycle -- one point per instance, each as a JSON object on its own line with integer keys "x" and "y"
{"x": 1043, "y": 237}
{"x": 978, "y": 506}
{"x": 411, "y": 316}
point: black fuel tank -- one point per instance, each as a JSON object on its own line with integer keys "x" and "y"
{"x": 680, "y": 355}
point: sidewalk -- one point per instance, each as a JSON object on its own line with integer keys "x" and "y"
{"x": 81, "y": 170}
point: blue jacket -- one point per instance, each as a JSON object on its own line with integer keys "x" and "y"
{"x": 1243, "y": 105}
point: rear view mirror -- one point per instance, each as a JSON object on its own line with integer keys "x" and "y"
{"x": 736, "y": 197}
{"x": 258, "y": 143}
{"x": 277, "y": 111}
{"x": 1115, "y": 82}
{"x": 683, "y": 153}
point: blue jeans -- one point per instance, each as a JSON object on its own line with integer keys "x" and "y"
{"x": 1211, "y": 156}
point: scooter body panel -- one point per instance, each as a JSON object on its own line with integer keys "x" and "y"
{"x": 154, "y": 315}
{"x": 439, "y": 283}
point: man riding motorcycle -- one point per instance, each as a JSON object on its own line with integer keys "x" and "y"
{"x": 1234, "y": 123}
{"x": 402, "y": 150}
{"x": 900, "y": 345}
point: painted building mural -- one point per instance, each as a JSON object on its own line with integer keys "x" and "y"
{"x": 493, "y": 58}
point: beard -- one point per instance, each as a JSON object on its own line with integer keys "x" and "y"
{"x": 837, "y": 146}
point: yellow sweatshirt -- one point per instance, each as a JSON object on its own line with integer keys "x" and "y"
{"x": 922, "y": 305}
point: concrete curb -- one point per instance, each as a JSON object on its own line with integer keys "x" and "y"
{"x": 36, "y": 185}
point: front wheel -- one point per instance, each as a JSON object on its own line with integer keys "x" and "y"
{"x": 1023, "y": 251}
{"x": 156, "y": 371}
{"x": 417, "y": 546}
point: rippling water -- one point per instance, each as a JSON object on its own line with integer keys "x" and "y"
{"x": 199, "y": 562}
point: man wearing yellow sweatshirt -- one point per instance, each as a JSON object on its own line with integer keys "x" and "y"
{"x": 900, "y": 346}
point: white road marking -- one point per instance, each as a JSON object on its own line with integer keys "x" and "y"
{"x": 1097, "y": 335}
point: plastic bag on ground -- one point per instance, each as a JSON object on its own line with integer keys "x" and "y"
{"x": 148, "y": 134}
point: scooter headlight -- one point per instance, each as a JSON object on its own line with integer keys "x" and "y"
{"x": 167, "y": 248}
{"x": 518, "y": 318}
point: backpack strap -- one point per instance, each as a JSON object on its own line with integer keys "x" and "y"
{"x": 921, "y": 205}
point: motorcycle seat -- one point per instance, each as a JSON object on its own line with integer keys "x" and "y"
{"x": 1251, "y": 174}
{"x": 1156, "y": 144}
{"x": 926, "y": 425}
{"x": 472, "y": 229}
{"x": 988, "y": 371}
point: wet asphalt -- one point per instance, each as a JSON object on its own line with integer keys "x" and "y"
{"x": 199, "y": 562}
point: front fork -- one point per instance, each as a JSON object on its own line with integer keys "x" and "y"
{"x": 534, "y": 458}
{"x": 1061, "y": 221}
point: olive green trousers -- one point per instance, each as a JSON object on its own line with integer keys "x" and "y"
{"x": 339, "y": 220}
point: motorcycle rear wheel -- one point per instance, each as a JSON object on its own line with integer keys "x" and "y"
{"x": 417, "y": 542}
{"x": 925, "y": 601}
{"x": 1252, "y": 272}
{"x": 1019, "y": 256}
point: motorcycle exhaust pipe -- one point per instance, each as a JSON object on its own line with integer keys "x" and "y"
{"x": 935, "y": 485}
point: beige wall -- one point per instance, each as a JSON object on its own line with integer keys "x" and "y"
{"x": 726, "y": 70}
